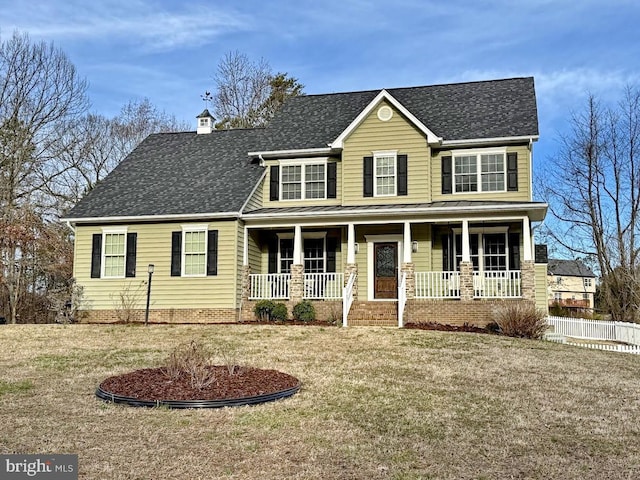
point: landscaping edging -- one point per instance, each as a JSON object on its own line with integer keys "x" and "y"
{"x": 227, "y": 402}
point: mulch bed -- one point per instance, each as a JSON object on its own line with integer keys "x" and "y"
{"x": 447, "y": 328}
{"x": 154, "y": 384}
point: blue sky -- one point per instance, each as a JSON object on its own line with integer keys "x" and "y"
{"x": 168, "y": 50}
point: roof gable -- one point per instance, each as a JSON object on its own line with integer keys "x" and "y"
{"x": 383, "y": 95}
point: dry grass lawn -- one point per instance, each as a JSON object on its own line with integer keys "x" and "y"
{"x": 376, "y": 403}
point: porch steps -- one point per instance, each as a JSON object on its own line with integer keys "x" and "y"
{"x": 379, "y": 314}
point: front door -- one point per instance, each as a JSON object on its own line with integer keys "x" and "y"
{"x": 385, "y": 270}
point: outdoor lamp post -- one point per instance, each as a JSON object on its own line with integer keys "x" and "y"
{"x": 146, "y": 314}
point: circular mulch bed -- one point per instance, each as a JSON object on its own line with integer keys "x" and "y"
{"x": 151, "y": 387}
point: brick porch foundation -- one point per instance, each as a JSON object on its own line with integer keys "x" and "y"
{"x": 455, "y": 312}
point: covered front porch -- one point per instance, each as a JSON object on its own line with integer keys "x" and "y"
{"x": 408, "y": 270}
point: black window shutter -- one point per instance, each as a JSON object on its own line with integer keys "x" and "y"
{"x": 176, "y": 254}
{"x": 367, "y": 173}
{"x": 274, "y": 183}
{"x": 96, "y": 255}
{"x": 273, "y": 254}
{"x": 332, "y": 178}
{"x": 212, "y": 252}
{"x": 446, "y": 175}
{"x": 514, "y": 251}
{"x": 130, "y": 268}
{"x": 402, "y": 174}
{"x": 332, "y": 246}
{"x": 446, "y": 249}
{"x": 512, "y": 172}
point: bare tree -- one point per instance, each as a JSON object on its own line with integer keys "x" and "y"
{"x": 39, "y": 91}
{"x": 248, "y": 93}
{"x": 95, "y": 145}
{"x": 593, "y": 188}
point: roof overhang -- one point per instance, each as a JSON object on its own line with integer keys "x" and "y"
{"x": 151, "y": 218}
{"x": 479, "y": 142}
{"x": 301, "y": 152}
{"x": 534, "y": 210}
{"x": 384, "y": 95}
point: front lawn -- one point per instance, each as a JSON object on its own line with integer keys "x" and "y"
{"x": 375, "y": 403}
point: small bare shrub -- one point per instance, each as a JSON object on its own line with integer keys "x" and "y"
{"x": 193, "y": 360}
{"x": 522, "y": 320}
{"x": 128, "y": 302}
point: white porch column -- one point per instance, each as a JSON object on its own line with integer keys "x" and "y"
{"x": 297, "y": 245}
{"x": 406, "y": 243}
{"x": 245, "y": 247}
{"x": 351, "y": 243}
{"x": 526, "y": 238}
{"x": 466, "y": 253}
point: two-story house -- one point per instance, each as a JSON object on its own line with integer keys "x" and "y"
{"x": 380, "y": 207}
{"x": 572, "y": 285}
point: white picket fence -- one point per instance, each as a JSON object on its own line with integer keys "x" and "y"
{"x": 582, "y": 328}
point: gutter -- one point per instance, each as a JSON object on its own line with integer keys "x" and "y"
{"x": 490, "y": 141}
{"x": 151, "y": 218}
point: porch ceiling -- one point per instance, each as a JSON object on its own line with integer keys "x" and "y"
{"x": 461, "y": 209}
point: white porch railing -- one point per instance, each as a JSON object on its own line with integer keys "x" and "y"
{"x": 497, "y": 284}
{"x": 347, "y": 298}
{"x": 269, "y": 286}
{"x": 437, "y": 285}
{"x": 321, "y": 286}
{"x": 596, "y": 329}
{"x": 402, "y": 299}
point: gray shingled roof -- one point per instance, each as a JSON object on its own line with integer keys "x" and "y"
{"x": 489, "y": 109}
{"x": 178, "y": 173}
{"x": 186, "y": 173}
{"x": 568, "y": 268}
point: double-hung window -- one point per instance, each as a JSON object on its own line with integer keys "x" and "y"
{"x": 114, "y": 254}
{"x": 195, "y": 252}
{"x": 587, "y": 282}
{"x": 479, "y": 171}
{"x": 488, "y": 251}
{"x": 385, "y": 174}
{"x": 303, "y": 181}
{"x": 314, "y": 252}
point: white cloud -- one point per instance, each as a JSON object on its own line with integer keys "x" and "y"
{"x": 141, "y": 23}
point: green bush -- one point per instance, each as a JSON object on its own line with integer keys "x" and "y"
{"x": 304, "y": 311}
{"x": 263, "y": 310}
{"x": 279, "y": 312}
{"x": 521, "y": 320}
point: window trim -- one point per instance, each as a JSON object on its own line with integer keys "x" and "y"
{"x": 380, "y": 154}
{"x": 183, "y": 253}
{"x": 478, "y": 154}
{"x": 113, "y": 231}
{"x": 481, "y": 256}
{"x": 587, "y": 282}
{"x": 303, "y": 163}
{"x": 305, "y": 235}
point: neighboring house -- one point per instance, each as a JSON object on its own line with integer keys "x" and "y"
{"x": 571, "y": 284}
{"x": 380, "y": 207}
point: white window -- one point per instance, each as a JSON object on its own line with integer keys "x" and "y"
{"x": 557, "y": 296}
{"x": 479, "y": 172}
{"x": 194, "y": 252}
{"x": 314, "y": 252}
{"x": 114, "y": 254}
{"x": 585, "y": 296}
{"x": 488, "y": 251}
{"x": 303, "y": 181}
{"x": 385, "y": 174}
{"x": 587, "y": 282}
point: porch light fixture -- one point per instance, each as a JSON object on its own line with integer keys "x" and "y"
{"x": 356, "y": 248}
{"x": 150, "y": 269}
{"x": 414, "y": 246}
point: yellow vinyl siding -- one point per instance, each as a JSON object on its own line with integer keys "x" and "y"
{"x": 255, "y": 202}
{"x": 421, "y": 233}
{"x": 524, "y": 179}
{"x": 267, "y": 203}
{"x": 154, "y": 246}
{"x": 375, "y": 135}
